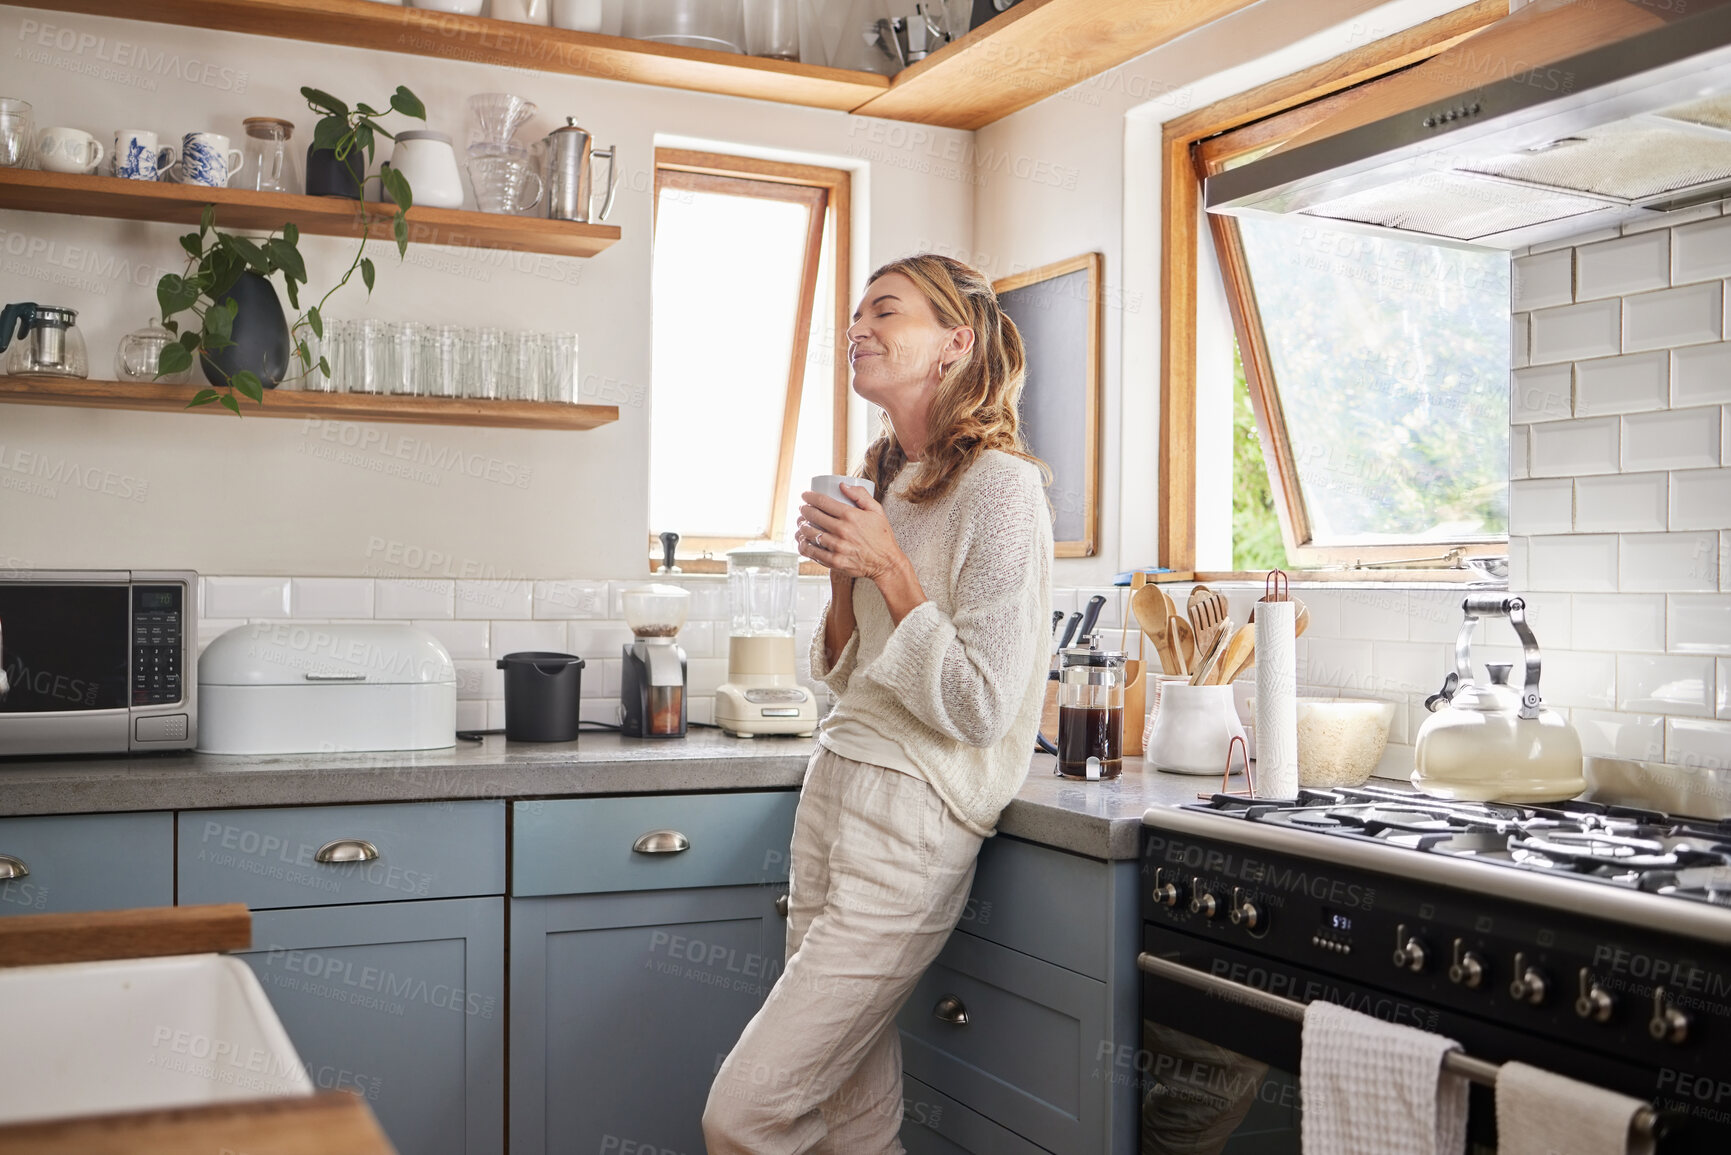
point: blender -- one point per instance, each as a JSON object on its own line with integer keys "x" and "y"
{"x": 652, "y": 682}
{"x": 762, "y": 694}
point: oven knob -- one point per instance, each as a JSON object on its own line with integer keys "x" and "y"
{"x": 1668, "y": 1024}
{"x": 1528, "y": 985}
{"x": 1409, "y": 953}
{"x": 1244, "y": 912}
{"x": 1165, "y": 893}
{"x": 1468, "y": 969}
{"x": 1201, "y": 902}
{"x": 1594, "y": 1002}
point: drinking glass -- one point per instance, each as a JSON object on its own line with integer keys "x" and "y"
{"x": 314, "y": 380}
{"x": 444, "y": 350}
{"x": 772, "y": 28}
{"x": 524, "y": 356}
{"x": 17, "y": 134}
{"x": 403, "y": 367}
{"x": 485, "y": 364}
{"x": 367, "y": 369}
{"x": 561, "y": 384}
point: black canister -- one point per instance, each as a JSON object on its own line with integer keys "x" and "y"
{"x": 543, "y": 691}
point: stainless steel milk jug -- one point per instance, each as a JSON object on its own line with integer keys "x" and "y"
{"x": 569, "y": 184}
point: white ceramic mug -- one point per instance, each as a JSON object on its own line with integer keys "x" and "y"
{"x": 829, "y": 484}
{"x": 205, "y": 159}
{"x": 68, "y": 150}
{"x": 134, "y": 155}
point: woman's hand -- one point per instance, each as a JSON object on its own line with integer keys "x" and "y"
{"x": 856, "y": 541}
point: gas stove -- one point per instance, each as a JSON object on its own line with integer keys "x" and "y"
{"x": 1591, "y": 940}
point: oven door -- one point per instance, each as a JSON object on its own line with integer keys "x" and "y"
{"x": 1219, "y": 1076}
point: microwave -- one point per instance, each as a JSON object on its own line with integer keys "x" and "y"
{"x": 97, "y": 661}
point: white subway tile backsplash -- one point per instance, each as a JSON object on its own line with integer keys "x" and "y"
{"x": 1334, "y": 662}
{"x": 1674, "y": 439}
{"x": 1575, "y": 332}
{"x": 1582, "y": 238}
{"x": 479, "y": 680}
{"x": 1701, "y": 499}
{"x": 1565, "y": 564}
{"x": 1407, "y": 667}
{"x": 704, "y": 675}
{"x": 1612, "y": 735}
{"x": 494, "y": 598}
{"x": 471, "y": 715}
{"x": 811, "y": 597}
{"x": 1518, "y": 563}
{"x": 1665, "y": 684}
{"x": 1628, "y": 384}
{"x": 1573, "y": 448}
{"x": 1699, "y": 624}
{"x": 1541, "y": 393}
{"x": 1701, "y": 252}
{"x": 1701, "y": 374}
{"x": 1698, "y": 744}
{"x": 1666, "y": 220}
{"x": 1690, "y": 315}
{"x": 1539, "y": 282}
{"x": 462, "y": 640}
{"x": 1520, "y": 342}
{"x": 1542, "y": 506}
{"x": 1574, "y": 678}
{"x": 1325, "y": 613}
{"x": 328, "y": 598}
{"x": 595, "y": 641}
{"x": 512, "y": 637}
{"x": 697, "y": 639}
{"x": 1435, "y": 616}
{"x": 569, "y": 599}
{"x": 210, "y": 629}
{"x": 1517, "y": 452}
{"x": 1670, "y": 562}
{"x": 1373, "y": 610}
{"x": 407, "y": 598}
{"x": 1626, "y": 502}
{"x": 1724, "y": 693}
{"x": 1627, "y": 265}
{"x": 246, "y": 597}
{"x": 1618, "y": 622}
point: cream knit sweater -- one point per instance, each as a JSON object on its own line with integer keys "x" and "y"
{"x": 959, "y": 684}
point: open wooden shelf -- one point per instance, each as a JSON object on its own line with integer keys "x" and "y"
{"x": 159, "y": 398}
{"x": 143, "y": 200}
{"x": 364, "y": 24}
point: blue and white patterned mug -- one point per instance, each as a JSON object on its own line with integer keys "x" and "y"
{"x": 134, "y": 155}
{"x": 205, "y": 159}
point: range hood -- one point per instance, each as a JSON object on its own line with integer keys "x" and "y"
{"x": 1564, "y": 116}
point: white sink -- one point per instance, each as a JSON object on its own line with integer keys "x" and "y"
{"x": 138, "y": 1034}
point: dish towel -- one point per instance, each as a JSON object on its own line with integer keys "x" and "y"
{"x": 1539, "y": 1113}
{"x": 1376, "y": 1088}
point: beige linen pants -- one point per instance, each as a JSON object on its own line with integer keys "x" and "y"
{"x": 880, "y": 871}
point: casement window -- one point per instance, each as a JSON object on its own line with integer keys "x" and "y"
{"x": 1376, "y": 367}
{"x": 749, "y": 387}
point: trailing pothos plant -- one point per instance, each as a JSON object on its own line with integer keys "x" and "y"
{"x": 216, "y": 260}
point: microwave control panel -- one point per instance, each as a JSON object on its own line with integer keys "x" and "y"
{"x": 158, "y": 643}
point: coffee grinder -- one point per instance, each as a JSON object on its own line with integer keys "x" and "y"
{"x": 762, "y": 694}
{"x": 652, "y": 680}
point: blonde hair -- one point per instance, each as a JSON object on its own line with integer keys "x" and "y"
{"x": 974, "y": 408}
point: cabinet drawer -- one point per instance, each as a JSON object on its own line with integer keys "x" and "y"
{"x": 1042, "y": 902}
{"x": 585, "y": 845}
{"x": 935, "y": 1124}
{"x": 1025, "y": 1057}
{"x": 88, "y": 862}
{"x": 272, "y": 858}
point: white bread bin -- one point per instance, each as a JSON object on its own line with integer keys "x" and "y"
{"x": 307, "y": 688}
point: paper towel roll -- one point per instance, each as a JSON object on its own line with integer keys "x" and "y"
{"x": 1276, "y": 700}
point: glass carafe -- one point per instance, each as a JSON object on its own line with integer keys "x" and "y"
{"x": 1091, "y": 713}
{"x": 268, "y": 164}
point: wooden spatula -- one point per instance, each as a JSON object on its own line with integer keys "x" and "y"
{"x": 1207, "y": 609}
{"x": 1236, "y": 657}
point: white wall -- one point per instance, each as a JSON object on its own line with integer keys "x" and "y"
{"x": 254, "y": 496}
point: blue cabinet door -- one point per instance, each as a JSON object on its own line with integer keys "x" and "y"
{"x": 79, "y": 862}
{"x": 624, "y": 1005}
{"x": 401, "y": 1003}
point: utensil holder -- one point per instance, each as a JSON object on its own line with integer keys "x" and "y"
{"x": 1193, "y": 730}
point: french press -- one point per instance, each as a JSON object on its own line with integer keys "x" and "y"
{"x": 41, "y": 341}
{"x": 1091, "y": 711}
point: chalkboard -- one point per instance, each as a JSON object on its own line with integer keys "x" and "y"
{"x": 1059, "y": 310}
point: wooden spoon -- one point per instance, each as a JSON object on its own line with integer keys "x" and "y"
{"x": 1186, "y": 643}
{"x": 1151, "y": 608}
{"x": 1240, "y": 650}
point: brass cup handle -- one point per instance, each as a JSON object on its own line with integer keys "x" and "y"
{"x": 661, "y": 842}
{"x": 347, "y": 850}
{"x": 949, "y": 1009}
{"x": 11, "y": 868}
{"x": 781, "y": 905}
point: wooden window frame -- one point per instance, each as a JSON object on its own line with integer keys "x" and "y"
{"x": 1201, "y": 142}
{"x": 827, "y": 193}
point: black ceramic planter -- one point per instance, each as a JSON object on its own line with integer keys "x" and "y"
{"x": 260, "y": 335}
{"x": 329, "y": 177}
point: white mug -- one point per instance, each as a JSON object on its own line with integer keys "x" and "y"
{"x": 134, "y": 155}
{"x": 68, "y": 150}
{"x": 205, "y": 159}
{"x": 829, "y": 484}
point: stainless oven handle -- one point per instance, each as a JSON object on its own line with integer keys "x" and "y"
{"x": 1647, "y": 1122}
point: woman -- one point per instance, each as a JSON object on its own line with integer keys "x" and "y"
{"x": 935, "y": 647}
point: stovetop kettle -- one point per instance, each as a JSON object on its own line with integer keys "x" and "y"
{"x": 1489, "y": 742}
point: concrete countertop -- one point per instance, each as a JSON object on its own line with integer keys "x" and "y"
{"x": 1098, "y": 819}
